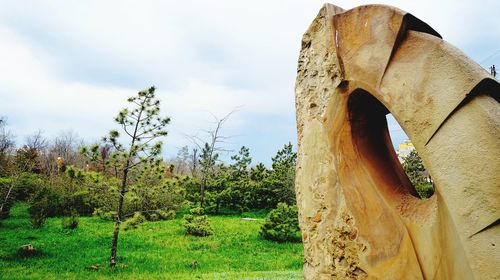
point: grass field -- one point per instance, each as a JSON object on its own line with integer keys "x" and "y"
{"x": 156, "y": 250}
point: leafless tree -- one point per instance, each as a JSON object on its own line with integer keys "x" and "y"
{"x": 210, "y": 150}
{"x": 65, "y": 147}
{"x": 6, "y": 137}
{"x": 36, "y": 141}
{"x": 180, "y": 162}
{"x": 6, "y": 145}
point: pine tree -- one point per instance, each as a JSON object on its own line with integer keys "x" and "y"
{"x": 282, "y": 175}
{"x": 141, "y": 124}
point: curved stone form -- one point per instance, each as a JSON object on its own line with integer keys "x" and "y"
{"x": 360, "y": 216}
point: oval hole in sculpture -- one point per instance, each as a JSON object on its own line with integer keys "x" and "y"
{"x": 410, "y": 160}
{"x": 372, "y": 138}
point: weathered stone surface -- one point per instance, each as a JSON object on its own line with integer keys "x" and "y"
{"x": 360, "y": 216}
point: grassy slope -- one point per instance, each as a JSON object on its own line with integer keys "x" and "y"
{"x": 154, "y": 250}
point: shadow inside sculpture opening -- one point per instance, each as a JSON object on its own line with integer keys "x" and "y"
{"x": 371, "y": 138}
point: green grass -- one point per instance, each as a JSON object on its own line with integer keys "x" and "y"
{"x": 156, "y": 250}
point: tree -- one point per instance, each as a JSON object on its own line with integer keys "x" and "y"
{"x": 215, "y": 184}
{"x": 208, "y": 159}
{"x": 99, "y": 156}
{"x": 62, "y": 151}
{"x": 141, "y": 124}
{"x": 415, "y": 170}
{"x": 236, "y": 193}
{"x": 6, "y": 146}
{"x": 242, "y": 160}
{"x": 209, "y": 155}
{"x": 29, "y": 157}
{"x": 36, "y": 141}
{"x": 262, "y": 195}
{"x": 282, "y": 175}
{"x": 259, "y": 172}
{"x": 193, "y": 167}
{"x": 66, "y": 145}
{"x": 181, "y": 162}
{"x": 7, "y": 168}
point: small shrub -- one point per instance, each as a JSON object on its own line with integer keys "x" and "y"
{"x": 425, "y": 190}
{"x": 79, "y": 201}
{"x": 416, "y": 172}
{"x": 198, "y": 211}
{"x": 28, "y": 184}
{"x": 282, "y": 224}
{"x": 134, "y": 222}
{"x": 166, "y": 215}
{"x": 42, "y": 205}
{"x": 161, "y": 215}
{"x": 197, "y": 224}
{"x": 70, "y": 222}
{"x": 154, "y": 217}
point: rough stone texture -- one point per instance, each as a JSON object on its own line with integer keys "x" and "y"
{"x": 359, "y": 214}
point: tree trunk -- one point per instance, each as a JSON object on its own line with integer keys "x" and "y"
{"x": 194, "y": 165}
{"x": 202, "y": 194}
{"x": 116, "y": 232}
{"x": 6, "y": 199}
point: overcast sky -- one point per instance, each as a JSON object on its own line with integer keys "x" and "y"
{"x": 72, "y": 64}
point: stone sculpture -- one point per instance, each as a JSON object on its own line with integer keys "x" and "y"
{"x": 360, "y": 216}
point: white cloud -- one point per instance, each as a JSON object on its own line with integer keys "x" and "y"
{"x": 71, "y": 64}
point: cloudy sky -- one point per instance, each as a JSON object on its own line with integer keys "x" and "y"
{"x": 70, "y": 65}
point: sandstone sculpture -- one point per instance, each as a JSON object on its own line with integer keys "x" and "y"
{"x": 360, "y": 216}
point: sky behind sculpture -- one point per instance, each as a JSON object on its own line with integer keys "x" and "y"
{"x": 71, "y": 64}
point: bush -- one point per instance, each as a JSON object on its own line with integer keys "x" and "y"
{"x": 282, "y": 224}
{"x": 23, "y": 185}
{"x": 153, "y": 217}
{"x": 415, "y": 170}
{"x": 425, "y": 190}
{"x": 165, "y": 215}
{"x": 79, "y": 202}
{"x": 44, "y": 203}
{"x": 197, "y": 224}
{"x": 134, "y": 222}
{"x": 28, "y": 184}
{"x": 59, "y": 196}
{"x": 161, "y": 215}
{"x": 198, "y": 211}
{"x": 70, "y": 222}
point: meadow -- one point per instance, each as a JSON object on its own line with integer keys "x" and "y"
{"x": 155, "y": 250}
